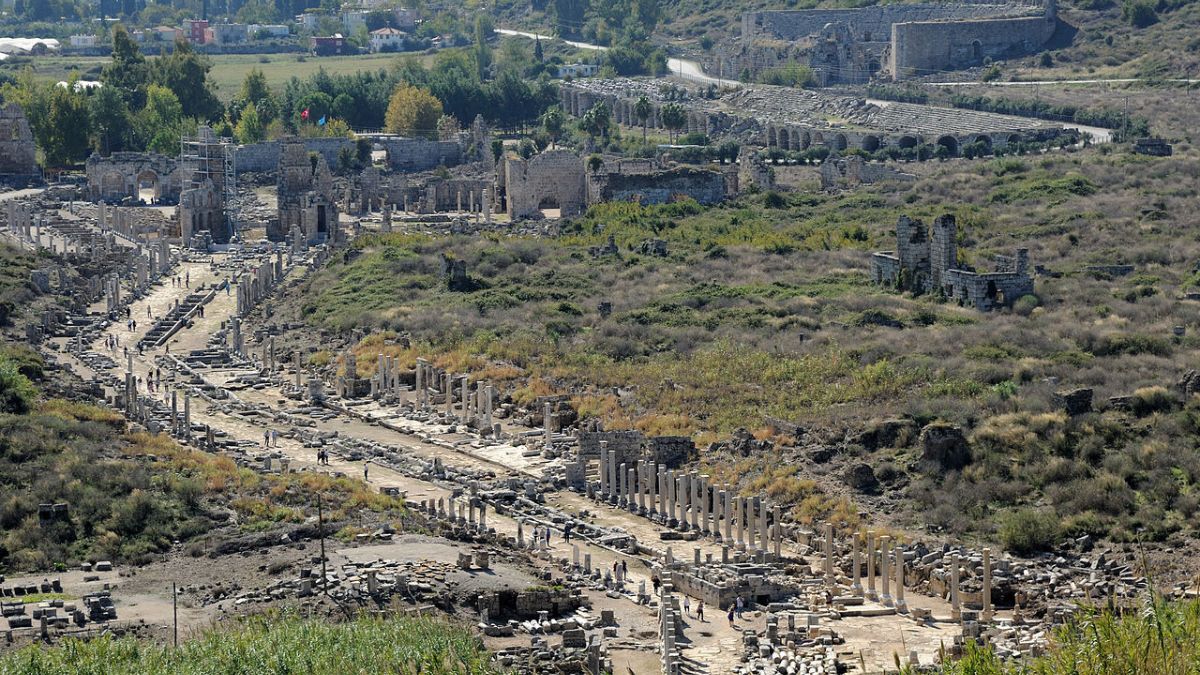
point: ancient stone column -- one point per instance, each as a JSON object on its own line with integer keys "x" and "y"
{"x": 465, "y": 392}
{"x": 489, "y": 393}
{"x": 187, "y": 418}
{"x": 987, "y": 585}
{"x": 721, "y": 511}
{"x": 778, "y": 533}
{"x": 704, "y": 510}
{"x": 727, "y": 498}
{"x": 419, "y": 386}
{"x": 901, "y": 606}
{"x": 621, "y": 495}
{"x": 664, "y": 490}
{"x": 520, "y": 534}
{"x": 694, "y": 495}
{"x": 653, "y": 472}
{"x": 613, "y": 487}
{"x": 754, "y": 541}
{"x": 630, "y": 488}
{"x": 546, "y": 421}
{"x": 871, "y": 565}
{"x": 641, "y": 487}
{"x": 681, "y": 494}
{"x": 763, "y": 532}
{"x": 828, "y": 571}
{"x": 175, "y": 412}
{"x": 884, "y": 573}
{"x": 855, "y": 568}
{"x": 603, "y": 469}
{"x": 483, "y": 515}
{"x": 739, "y": 520}
{"x": 669, "y": 492}
{"x": 449, "y": 394}
{"x": 955, "y": 600}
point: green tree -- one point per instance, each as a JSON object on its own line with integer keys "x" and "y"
{"x": 158, "y": 125}
{"x": 674, "y": 118}
{"x": 185, "y": 73}
{"x": 68, "y": 117}
{"x": 643, "y": 109}
{"x": 250, "y": 128}
{"x": 483, "y": 51}
{"x": 596, "y": 120}
{"x": 254, "y": 87}
{"x": 110, "y": 120}
{"x": 127, "y": 72}
{"x": 538, "y": 54}
{"x": 552, "y": 122}
{"x": 412, "y": 109}
{"x": 647, "y": 13}
{"x": 569, "y": 16}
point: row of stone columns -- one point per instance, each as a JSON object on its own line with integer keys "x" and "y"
{"x": 690, "y": 501}
{"x": 892, "y": 562}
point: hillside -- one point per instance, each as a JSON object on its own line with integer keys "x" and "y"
{"x": 764, "y": 308}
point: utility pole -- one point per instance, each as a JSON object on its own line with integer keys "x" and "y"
{"x": 1125, "y": 122}
{"x": 321, "y": 533}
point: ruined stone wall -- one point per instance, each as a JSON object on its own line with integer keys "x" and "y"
{"x": 626, "y": 444}
{"x": 117, "y": 176}
{"x": 846, "y": 172}
{"x": 17, "y": 149}
{"x": 986, "y": 291}
{"x": 404, "y": 154}
{"x": 706, "y": 187}
{"x": 670, "y": 451}
{"x": 868, "y": 23}
{"x": 554, "y": 178}
{"x": 920, "y": 48}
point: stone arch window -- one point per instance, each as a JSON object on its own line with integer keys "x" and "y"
{"x": 977, "y": 50}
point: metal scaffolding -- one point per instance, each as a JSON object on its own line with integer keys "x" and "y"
{"x": 213, "y": 158}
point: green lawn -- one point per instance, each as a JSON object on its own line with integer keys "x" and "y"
{"x": 228, "y": 69}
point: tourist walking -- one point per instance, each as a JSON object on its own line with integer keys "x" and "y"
{"x": 729, "y": 615}
{"x": 700, "y": 611}
{"x": 687, "y": 606}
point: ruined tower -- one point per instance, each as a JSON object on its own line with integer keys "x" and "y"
{"x": 943, "y": 249}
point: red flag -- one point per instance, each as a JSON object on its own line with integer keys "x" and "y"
{"x": 304, "y": 115}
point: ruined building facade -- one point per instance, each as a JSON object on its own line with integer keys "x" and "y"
{"x": 307, "y": 203}
{"x": 927, "y": 262}
{"x": 18, "y": 154}
{"x": 899, "y": 40}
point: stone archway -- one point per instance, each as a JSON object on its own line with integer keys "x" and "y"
{"x": 148, "y": 186}
{"x": 870, "y": 143}
{"x": 950, "y": 143}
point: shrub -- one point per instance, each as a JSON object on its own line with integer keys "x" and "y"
{"x": 1025, "y": 305}
{"x": 16, "y": 391}
{"x": 1149, "y": 400}
{"x": 1139, "y": 13}
{"x": 1025, "y": 531}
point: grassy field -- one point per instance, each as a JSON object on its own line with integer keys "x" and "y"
{"x": 273, "y": 644}
{"x": 228, "y": 69}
